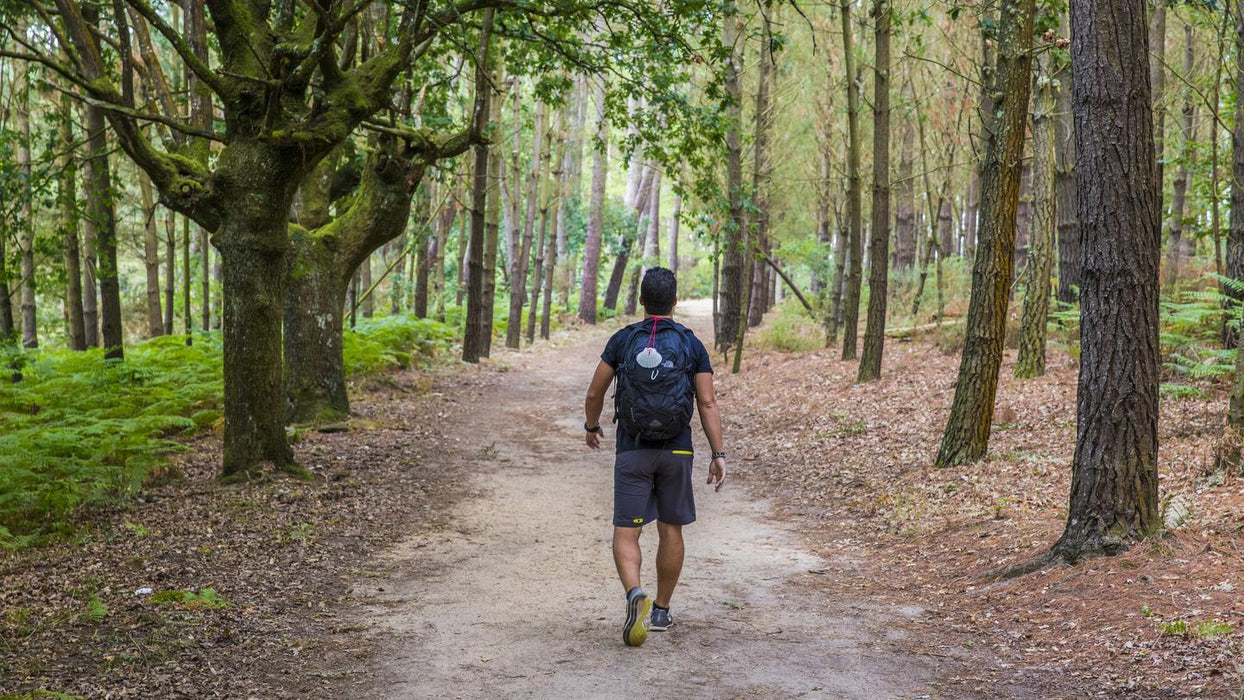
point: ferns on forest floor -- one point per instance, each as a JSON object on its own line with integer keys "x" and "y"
{"x": 77, "y": 429}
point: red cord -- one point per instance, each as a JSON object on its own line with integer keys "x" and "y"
{"x": 652, "y": 337}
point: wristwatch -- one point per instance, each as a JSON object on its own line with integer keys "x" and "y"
{"x": 717, "y": 454}
{"x": 591, "y": 430}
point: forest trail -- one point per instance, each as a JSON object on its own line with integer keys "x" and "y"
{"x": 518, "y": 596}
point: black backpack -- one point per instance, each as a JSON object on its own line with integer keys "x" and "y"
{"x": 655, "y": 402}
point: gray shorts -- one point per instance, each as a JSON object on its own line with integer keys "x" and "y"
{"x": 653, "y": 485}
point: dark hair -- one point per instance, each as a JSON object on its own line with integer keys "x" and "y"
{"x": 658, "y": 291}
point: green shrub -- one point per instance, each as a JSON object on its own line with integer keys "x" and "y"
{"x": 378, "y": 344}
{"x": 792, "y": 330}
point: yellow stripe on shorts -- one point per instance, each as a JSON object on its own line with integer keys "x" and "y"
{"x": 683, "y": 452}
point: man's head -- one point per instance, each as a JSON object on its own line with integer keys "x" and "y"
{"x": 659, "y": 291}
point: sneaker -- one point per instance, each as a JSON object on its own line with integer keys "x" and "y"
{"x": 638, "y": 605}
{"x": 661, "y": 619}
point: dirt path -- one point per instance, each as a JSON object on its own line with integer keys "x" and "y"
{"x": 519, "y": 596}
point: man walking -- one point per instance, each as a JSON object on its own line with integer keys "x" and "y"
{"x": 663, "y": 370}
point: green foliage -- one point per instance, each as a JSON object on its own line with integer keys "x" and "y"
{"x": 96, "y": 611}
{"x": 205, "y": 599}
{"x": 388, "y": 342}
{"x": 79, "y": 429}
{"x": 1208, "y": 629}
{"x": 791, "y": 330}
{"x": 1175, "y": 628}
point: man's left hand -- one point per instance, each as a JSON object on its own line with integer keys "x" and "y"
{"x": 593, "y": 439}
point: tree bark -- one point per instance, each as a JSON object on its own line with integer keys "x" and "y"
{"x": 170, "y": 268}
{"x": 26, "y": 227}
{"x": 151, "y": 258}
{"x": 518, "y": 272}
{"x": 1175, "y": 250}
{"x": 473, "y": 340}
{"x": 595, "y": 215}
{"x": 971, "y": 415}
{"x": 1157, "y": 78}
{"x": 1031, "y": 361}
{"x": 1114, "y": 481}
{"x": 537, "y": 277}
{"x": 855, "y": 222}
{"x": 733, "y": 288}
{"x": 874, "y": 331}
{"x": 905, "y": 201}
{"x": 1067, "y": 207}
{"x": 675, "y": 220}
{"x": 67, "y": 196}
{"x": 102, "y": 216}
{"x": 324, "y": 255}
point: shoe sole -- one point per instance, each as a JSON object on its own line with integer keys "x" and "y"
{"x": 654, "y": 628}
{"x": 635, "y": 631}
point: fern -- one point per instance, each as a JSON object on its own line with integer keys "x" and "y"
{"x": 78, "y": 430}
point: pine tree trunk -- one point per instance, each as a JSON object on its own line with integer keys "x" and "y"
{"x": 874, "y": 331}
{"x": 1031, "y": 361}
{"x": 496, "y": 171}
{"x": 855, "y": 222}
{"x": 905, "y": 200}
{"x": 1179, "y": 205}
{"x": 595, "y": 215}
{"x": 518, "y": 272}
{"x": 151, "y": 258}
{"x": 6, "y": 304}
{"x": 1023, "y": 216}
{"x": 473, "y": 338}
{"x": 1067, "y": 202}
{"x": 67, "y": 196}
{"x": 537, "y": 277}
{"x": 1157, "y": 78}
{"x": 971, "y": 415}
{"x": 730, "y": 296}
{"x": 1114, "y": 481}
{"x": 90, "y": 298}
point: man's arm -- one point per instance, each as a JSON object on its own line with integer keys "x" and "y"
{"x": 710, "y": 420}
{"x": 595, "y": 402}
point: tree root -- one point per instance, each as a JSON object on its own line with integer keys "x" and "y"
{"x": 1023, "y": 568}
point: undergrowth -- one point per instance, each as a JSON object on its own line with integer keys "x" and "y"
{"x": 78, "y": 430}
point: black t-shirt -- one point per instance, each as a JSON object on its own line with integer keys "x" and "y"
{"x": 612, "y": 356}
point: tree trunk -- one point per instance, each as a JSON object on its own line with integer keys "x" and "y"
{"x": 518, "y": 272}
{"x": 26, "y": 227}
{"x": 102, "y": 216}
{"x": 90, "y": 299}
{"x": 971, "y": 415}
{"x": 731, "y": 295}
{"x": 1179, "y": 206}
{"x": 874, "y": 331}
{"x": 1114, "y": 479}
{"x": 675, "y": 217}
{"x": 496, "y": 179}
{"x": 170, "y": 268}
{"x": 425, "y": 248}
{"x": 1023, "y": 216}
{"x": 314, "y": 318}
{"x": 473, "y": 338}
{"x": 6, "y": 304}
{"x": 905, "y": 201}
{"x": 1157, "y": 79}
{"x": 1067, "y": 202}
{"x": 855, "y": 222}
{"x": 595, "y": 215}
{"x": 67, "y": 196}
{"x": 537, "y": 277}
{"x": 151, "y": 258}
{"x": 1031, "y": 362}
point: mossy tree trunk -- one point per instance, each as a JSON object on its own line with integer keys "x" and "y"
{"x": 971, "y": 415}
{"x": 322, "y": 262}
{"x": 1114, "y": 479}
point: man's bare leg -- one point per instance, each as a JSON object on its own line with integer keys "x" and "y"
{"x": 669, "y": 561}
{"x": 627, "y": 555}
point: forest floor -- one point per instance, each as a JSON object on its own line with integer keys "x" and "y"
{"x": 454, "y": 543}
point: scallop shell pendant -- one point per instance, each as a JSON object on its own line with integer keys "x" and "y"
{"x": 648, "y": 358}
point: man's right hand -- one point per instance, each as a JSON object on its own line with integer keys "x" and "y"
{"x": 593, "y": 439}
